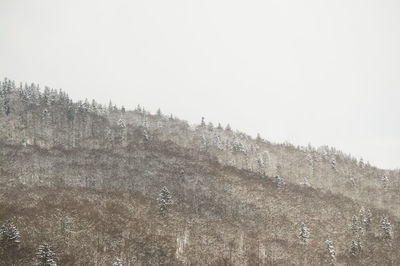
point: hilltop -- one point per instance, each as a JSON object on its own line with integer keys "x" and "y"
{"x": 87, "y": 177}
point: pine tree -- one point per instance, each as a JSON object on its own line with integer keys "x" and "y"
{"x": 355, "y": 247}
{"x": 121, "y": 123}
{"x": 203, "y": 123}
{"x": 386, "y": 229}
{"x": 117, "y": 262}
{"x": 228, "y": 127}
{"x": 9, "y": 244}
{"x": 164, "y": 200}
{"x": 45, "y": 256}
{"x": 355, "y": 227}
{"x": 304, "y": 233}
{"x": 331, "y": 251}
{"x": 219, "y": 126}
{"x": 366, "y": 218}
{"x": 9, "y": 235}
{"x": 333, "y": 164}
{"x": 385, "y": 182}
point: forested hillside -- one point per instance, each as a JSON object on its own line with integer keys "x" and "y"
{"x": 88, "y": 184}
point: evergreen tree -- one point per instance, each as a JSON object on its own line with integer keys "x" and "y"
{"x": 203, "y": 123}
{"x": 331, "y": 251}
{"x": 366, "y": 218}
{"x": 45, "y": 256}
{"x": 385, "y": 182}
{"x": 164, "y": 200}
{"x": 355, "y": 247}
{"x": 9, "y": 235}
{"x": 304, "y": 233}
{"x": 219, "y": 126}
{"x": 9, "y": 243}
{"x": 386, "y": 229}
{"x": 121, "y": 123}
{"x": 228, "y": 127}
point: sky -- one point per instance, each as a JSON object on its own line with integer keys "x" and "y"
{"x": 312, "y": 71}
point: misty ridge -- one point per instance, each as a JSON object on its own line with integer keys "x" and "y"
{"x": 84, "y": 183}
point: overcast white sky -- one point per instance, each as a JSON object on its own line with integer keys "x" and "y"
{"x": 325, "y": 72}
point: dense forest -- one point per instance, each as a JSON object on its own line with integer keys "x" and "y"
{"x": 84, "y": 183}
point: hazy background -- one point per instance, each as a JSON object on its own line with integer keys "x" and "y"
{"x": 325, "y": 72}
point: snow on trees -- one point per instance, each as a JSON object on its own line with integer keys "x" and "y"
{"x": 203, "y": 123}
{"x": 331, "y": 251}
{"x": 146, "y": 134}
{"x": 164, "y": 200}
{"x": 386, "y": 228}
{"x": 365, "y": 218}
{"x": 45, "y": 256}
{"x": 117, "y": 262}
{"x": 9, "y": 235}
{"x": 228, "y": 127}
{"x": 237, "y": 145}
{"x": 355, "y": 247}
{"x": 304, "y": 233}
{"x": 385, "y": 181}
{"x": 333, "y": 164}
{"x": 121, "y": 123}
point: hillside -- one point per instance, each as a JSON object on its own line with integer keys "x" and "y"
{"x": 86, "y": 178}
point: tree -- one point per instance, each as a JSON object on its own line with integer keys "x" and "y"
{"x": 228, "y": 127}
{"x": 355, "y": 247}
{"x": 331, "y": 251}
{"x": 45, "y": 256}
{"x": 365, "y": 218}
{"x": 164, "y": 200}
{"x": 386, "y": 229}
{"x": 385, "y": 181}
{"x": 121, "y": 123}
{"x": 9, "y": 243}
{"x": 203, "y": 123}
{"x": 304, "y": 233}
{"x": 219, "y": 126}
{"x": 9, "y": 235}
{"x": 333, "y": 164}
{"x": 117, "y": 262}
